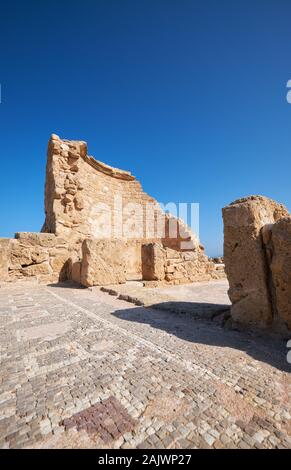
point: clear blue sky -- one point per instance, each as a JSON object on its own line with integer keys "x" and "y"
{"x": 188, "y": 95}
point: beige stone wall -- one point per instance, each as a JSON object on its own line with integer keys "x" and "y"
{"x": 255, "y": 261}
{"x": 76, "y": 187}
{"x": 160, "y": 263}
{"x": 103, "y": 262}
{"x": 4, "y": 258}
{"x": 42, "y": 256}
{"x": 90, "y": 209}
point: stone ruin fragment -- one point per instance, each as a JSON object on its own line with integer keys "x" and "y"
{"x": 257, "y": 256}
{"x": 87, "y": 206}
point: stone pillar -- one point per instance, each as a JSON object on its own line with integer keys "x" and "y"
{"x": 246, "y": 263}
{"x": 281, "y": 269}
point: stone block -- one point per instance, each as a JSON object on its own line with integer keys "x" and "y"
{"x": 103, "y": 262}
{"x": 245, "y": 257}
{"x": 36, "y": 239}
{"x": 281, "y": 269}
{"x": 153, "y": 262}
{"x": 76, "y": 271}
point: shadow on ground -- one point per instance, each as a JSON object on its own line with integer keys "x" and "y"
{"x": 67, "y": 285}
{"x": 210, "y": 331}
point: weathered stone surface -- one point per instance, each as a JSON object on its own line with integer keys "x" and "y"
{"x": 246, "y": 260}
{"x": 4, "y": 258}
{"x": 86, "y": 198}
{"x": 59, "y": 263}
{"x": 188, "y": 266}
{"x": 103, "y": 262}
{"x": 37, "y": 239}
{"x": 281, "y": 268}
{"x": 36, "y": 270}
{"x": 76, "y": 271}
{"x": 40, "y": 255}
{"x": 22, "y": 255}
{"x": 175, "y": 267}
{"x": 153, "y": 262}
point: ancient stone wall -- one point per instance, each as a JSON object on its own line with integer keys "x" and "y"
{"x": 92, "y": 210}
{"x": 103, "y": 262}
{"x": 257, "y": 241}
{"x": 87, "y": 199}
{"x": 76, "y": 188}
{"x": 160, "y": 263}
{"x": 39, "y": 255}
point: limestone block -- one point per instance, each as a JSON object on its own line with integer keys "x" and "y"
{"x": 19, "y": 255}
{"x": 40, "y": 239}
{"x": 4, "y": 258}
{"x": 172, "y": 254}
{"x": 76, "y": 271}
{"x": 245, "y": 259}
{"x": 103, "y": 262}
{"x": 36, "y": 270}
{"x": 38, "y": 255}
{"x": 281, "y": 268}
{"x": 153, "y": 262}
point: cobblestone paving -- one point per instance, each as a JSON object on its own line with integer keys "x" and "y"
{"x": 84, "y": 369}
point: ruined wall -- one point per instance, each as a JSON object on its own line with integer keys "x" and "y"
{"x": 42, "y": 256}
{"x": 75, "y": 183}
{"x": 161, "y": 263}
{"x": 256, "y": 260}
{"x": 85, "y": 198}
{"x": 92, "y": 206}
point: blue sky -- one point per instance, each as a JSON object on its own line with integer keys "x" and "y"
{"x": 188, "y": 95}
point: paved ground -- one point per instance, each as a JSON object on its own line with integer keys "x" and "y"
{"x": 196, "y": 298}
{"x": 81, "y": 368}
{"x": 199, "y": 292}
